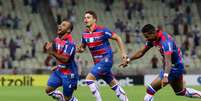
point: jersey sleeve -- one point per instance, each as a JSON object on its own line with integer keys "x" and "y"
{"x": 107, "y": 33}
{"x": 69, "y": 50}
{"x": 148, "y": 44}
{"x": 167, "y": 47}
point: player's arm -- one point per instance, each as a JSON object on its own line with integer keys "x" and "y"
{"x": 139, "y": 53}
{"x": 47, "y": 60}
{"x": 81, "y": 48}
{"x": 120, "y": 45}
{"x": 62, "y": 58}
{"x": 50, "y": 51}
{"x": 135, "y": 56}
{"x": 168, "y": 63}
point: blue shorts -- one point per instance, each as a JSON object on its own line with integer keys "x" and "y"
{"x": 175, "y": 72}
{"x": 102, "y": 70}
{"x": 69, "y": 82}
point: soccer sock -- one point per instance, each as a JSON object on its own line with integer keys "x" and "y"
{"x": 192, "y": 93}
{"x": 150, "y": 93}
{"x": 148, "y": 97}
{"x": 56, "y": 94}
{"x": 94, "y": 89}
{"x": 73, "y": 99}
{"x": 120, "y": 93}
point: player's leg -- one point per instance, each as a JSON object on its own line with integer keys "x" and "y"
{"x": 53, "y": 83}
{"x": 69, "y": 86}
{"x": 153, "y": 88}
{"x": 90, "y": 81}
{"x": 179, "y": 89}
{"x": 120, "y": 93}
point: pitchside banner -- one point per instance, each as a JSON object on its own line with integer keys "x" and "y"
{"x": 189, "y": 80}
{"x": 41, "y": 80}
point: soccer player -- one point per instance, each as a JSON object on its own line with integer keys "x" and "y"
{"x": 173, "y": 66}
{"x": 65, "y": 73}
{"x": 96, "y": 38}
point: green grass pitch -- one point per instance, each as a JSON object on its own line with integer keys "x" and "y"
{"x": 135, "y": 93}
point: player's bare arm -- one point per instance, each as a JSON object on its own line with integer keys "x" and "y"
{"x": 135, "y": 56}
{"x": 51, "y": 52}
{"x": 121, "y": 46}
{"x": 168, "y": 64}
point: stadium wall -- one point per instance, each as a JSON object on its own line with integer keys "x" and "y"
{"x": 41, "y": 80}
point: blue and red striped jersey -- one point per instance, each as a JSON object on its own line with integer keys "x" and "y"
{"x": 98, "y": 43}
{"x": 167, "y": 45}
{"x": 64, "y": 46}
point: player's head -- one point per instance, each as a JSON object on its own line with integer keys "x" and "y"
{"x": 149, "y": 32}
{"x": 90, "y": 18}
{"x": 65, "y": 27}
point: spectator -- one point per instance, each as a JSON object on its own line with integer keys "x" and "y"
{"x": 196, "y": 34}
{"x": 16, "y": 22}
{"x": 8, "y": 21}
{"x": 28, "y": 30}
{"x": 4, "y": 41}
{"x": 34, "y": 6}
{"x": 25, "y": 56}
{"x": 60, "y": 3}
{"x": 59, "y": 18}
{"x": 129, "y": 12}
{"x": 38, "y": 36}
{"x": 119, "y": 25}
{"x": 127, "y": 32}
{"x": 26, "y": 2}
{"x": 140, "y": 9}
{"x": 154, "y": 62}
{"x": 175, "y": 25}
{"x": 33, "y": 48}
{"x": 12, "y": 48}
{"x": 53, "y": 3}
{"x": 108, "y": 4}
{"x": 3, "y": 62}
{"x": 73, "y": 3}
{"x": 6, "y": 62}
{"x": 13, "y": 4}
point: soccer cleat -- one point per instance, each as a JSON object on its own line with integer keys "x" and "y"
{"x": 193, "y": 93}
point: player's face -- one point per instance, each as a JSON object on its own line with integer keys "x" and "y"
{"x": 63, "y": 27}
{"x": 150, "y": 37}
{"x": 89, "y": 20}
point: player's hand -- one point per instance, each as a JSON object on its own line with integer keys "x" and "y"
{"x": 48, "y": 47}
{"x": 164, "y": 81}
{"x": 53, "y": 68}
{"x": 80, "y": 49}
{"x": 125, "y": 62}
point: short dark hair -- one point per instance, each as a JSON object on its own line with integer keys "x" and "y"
{"x": 92, "y": 13}
{"x": 148, "y": 28}
{"x": 71, "y": 24}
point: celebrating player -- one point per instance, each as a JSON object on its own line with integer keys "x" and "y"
{"x": 97, "y": 39}
{"x": 173, "y": 65}
{"x": 65, "y": 73}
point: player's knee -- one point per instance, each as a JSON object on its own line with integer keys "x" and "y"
{"x": 181, "y": 93}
